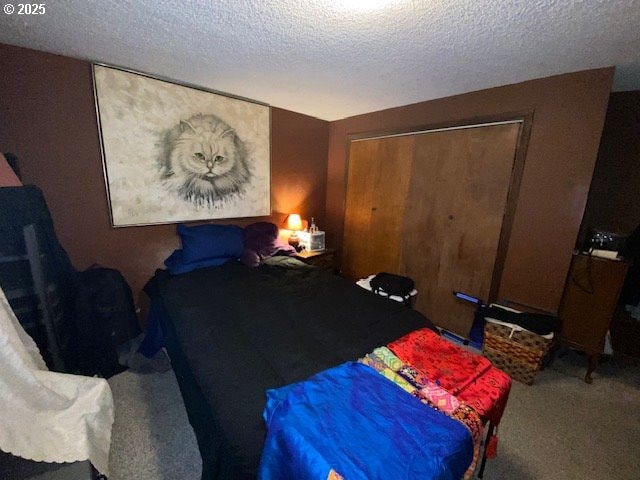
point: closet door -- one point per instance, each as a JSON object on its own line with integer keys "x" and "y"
{"x": 377, "y": 187}
{"x": 453, "y": 218}
{"x": 443, "y": 215}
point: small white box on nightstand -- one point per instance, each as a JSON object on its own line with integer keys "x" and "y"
{"x": 313, "y": 242}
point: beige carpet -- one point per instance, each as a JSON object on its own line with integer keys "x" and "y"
{"x": 152, "y": 438}
{"x": 562, "y": 428}
{"x": 558, "y": 429}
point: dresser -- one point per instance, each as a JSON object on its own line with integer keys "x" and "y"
{"x": 588, "y": 304}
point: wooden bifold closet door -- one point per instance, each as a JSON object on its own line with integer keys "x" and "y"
{"x": 431, "y": 206}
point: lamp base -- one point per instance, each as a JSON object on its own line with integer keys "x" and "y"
{"x": 294, "y": 241}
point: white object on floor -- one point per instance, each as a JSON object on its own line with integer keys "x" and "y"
{"x": 634, "y": 311}
{"x": 608, "y": 348}
{"x": 48, "y": 416}
{"x": 611, "y": 255}
{"x": 366, "y": 284}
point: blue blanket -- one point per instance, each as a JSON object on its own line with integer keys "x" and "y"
{"x": 354, "y": 421}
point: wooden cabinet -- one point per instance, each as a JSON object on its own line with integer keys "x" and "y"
{"x": 324, "y": 259}
{"x": 588, "y": 304}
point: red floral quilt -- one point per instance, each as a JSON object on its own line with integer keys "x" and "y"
{"x": 467, "y": 375}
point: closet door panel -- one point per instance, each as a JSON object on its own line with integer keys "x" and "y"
{"x": 453, "y": 218}
{"x": 377, "y": 186}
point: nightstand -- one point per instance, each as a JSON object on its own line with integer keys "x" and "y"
{"x": 324, "y": 259}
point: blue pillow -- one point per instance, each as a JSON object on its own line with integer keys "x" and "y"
{"x": 176, "y": 265}
{"x": 210, "y": 241}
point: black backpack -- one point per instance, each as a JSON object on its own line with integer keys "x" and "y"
{"x": 105, "y": 319}
{"x": 392, "y": 284}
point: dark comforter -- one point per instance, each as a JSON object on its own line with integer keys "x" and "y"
{"x": 234, "y": 332}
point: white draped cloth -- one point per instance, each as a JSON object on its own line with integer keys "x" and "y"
{"x": 48, "y": 416}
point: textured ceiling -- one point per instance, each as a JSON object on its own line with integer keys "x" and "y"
{"x": 329, "y": 60}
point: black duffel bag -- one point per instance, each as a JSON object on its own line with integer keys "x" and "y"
{"x": 393, "y": 285}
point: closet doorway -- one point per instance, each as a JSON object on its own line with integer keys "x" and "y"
{"x": 431, "y": 205}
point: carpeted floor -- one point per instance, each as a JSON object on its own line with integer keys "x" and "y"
{"x": 558, "y": 429}
{"x": 152, "y": 438}
{"x": 562, "y": 428}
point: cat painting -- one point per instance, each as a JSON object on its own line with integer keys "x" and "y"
{"x": 204, "y": 161}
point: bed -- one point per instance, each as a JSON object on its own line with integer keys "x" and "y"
{"x": 234, "y": 332}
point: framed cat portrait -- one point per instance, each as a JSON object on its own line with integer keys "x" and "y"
{"x": 175, "y": 153}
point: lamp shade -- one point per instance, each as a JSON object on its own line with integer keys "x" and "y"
{"x": 294, "y": 222}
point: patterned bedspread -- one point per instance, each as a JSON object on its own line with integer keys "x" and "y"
{"x": 351, "y": 422}
{"x": 468, "y": 376}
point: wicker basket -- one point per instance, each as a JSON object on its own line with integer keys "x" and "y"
{"x": 518, "y": 352}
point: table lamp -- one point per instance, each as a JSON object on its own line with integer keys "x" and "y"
{"x": 294, "y": 223}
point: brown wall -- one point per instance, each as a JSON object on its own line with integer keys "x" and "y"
{"x": 47, "y": 118}
{"x": 568, "y": 114}
{"x": 614, "y": 198}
